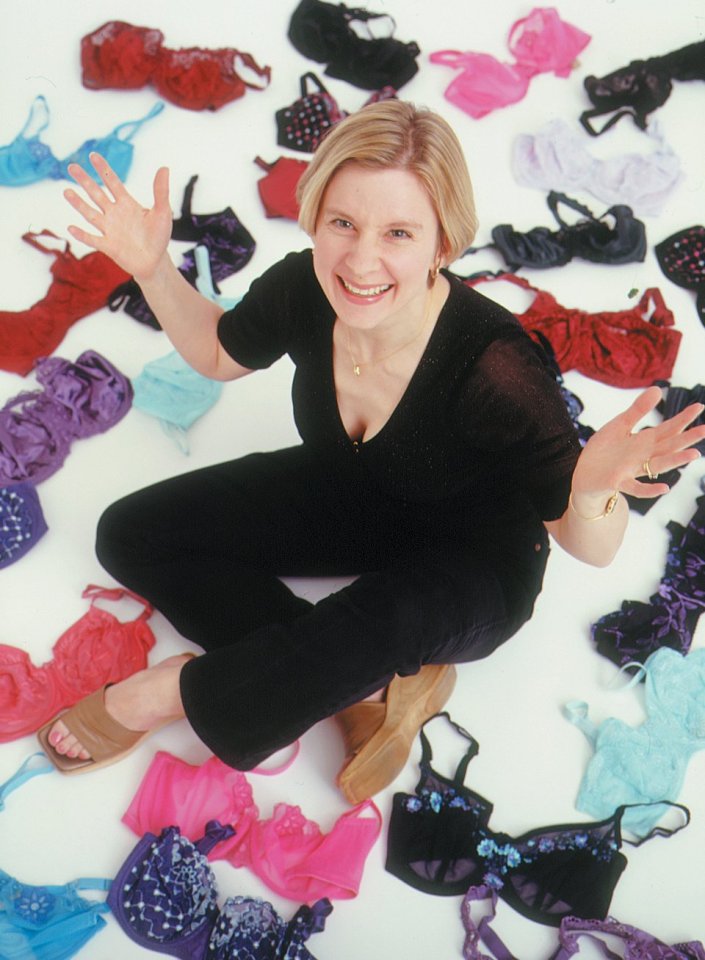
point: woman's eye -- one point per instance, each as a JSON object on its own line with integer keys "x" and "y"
{"x": 342, "y": 223}
{"x": 400, "y": 234}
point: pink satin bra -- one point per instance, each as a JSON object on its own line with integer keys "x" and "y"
{"x": 540, "y": 43}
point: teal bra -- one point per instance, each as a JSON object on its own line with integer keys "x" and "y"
{"x": 646, "y": 764}
{"x": 28, "y": 159}
{"x": 45, "y": 922}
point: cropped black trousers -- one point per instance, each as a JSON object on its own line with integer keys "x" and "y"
{"x": 208, "y": 549}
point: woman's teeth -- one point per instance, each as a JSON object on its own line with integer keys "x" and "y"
{"x": 368, "y": 291}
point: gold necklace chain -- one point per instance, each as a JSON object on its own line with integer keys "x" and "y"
{"x": 357, "y": 367}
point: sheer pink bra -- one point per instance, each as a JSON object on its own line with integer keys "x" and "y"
{"x": 540, "y": 43}
{"x": 287, "y": 852}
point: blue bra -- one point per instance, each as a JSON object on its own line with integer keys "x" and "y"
{"x": 165, "y": 898}
{"x": 45, "y": 922}
{"x": 28, "y": 159}
{"x": 646, "y": 764}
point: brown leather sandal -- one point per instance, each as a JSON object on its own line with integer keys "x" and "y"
{"x": 378, "y": 736}
{"x": 104, "y": 738}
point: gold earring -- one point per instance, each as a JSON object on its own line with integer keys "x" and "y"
{"x": 433, "y": 273}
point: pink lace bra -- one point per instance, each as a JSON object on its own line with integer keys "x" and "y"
{"x": 540, "y": 43}
{"x": 287, "y": 852}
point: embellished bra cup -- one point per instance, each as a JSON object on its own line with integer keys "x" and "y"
{"x": 323, "y": 32}
{"x": 22, "y": 522}
{"x": 641, "y": 87}
{"x": 682, "y": 259}
{"x": 440, "y": 842}
{"x": 165, "y": 898}
{"x": 121, "y": 56}
{"x": 590, "y": 238}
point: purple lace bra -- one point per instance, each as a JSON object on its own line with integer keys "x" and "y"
{"x": 79, "y": 399}
{"x": 638, "y": 945}
{"x": 229, "y": 244}
{"x": 165, "y": 899}
{"x": 670, "y": 616}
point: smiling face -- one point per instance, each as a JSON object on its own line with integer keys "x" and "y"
{"x": 376, "y": 239}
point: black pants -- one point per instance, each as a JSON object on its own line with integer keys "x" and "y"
{"x": 208, "y": 548}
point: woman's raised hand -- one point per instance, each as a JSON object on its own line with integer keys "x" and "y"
{"x": 135, "y": 237}
{"x": 618, "y": 455}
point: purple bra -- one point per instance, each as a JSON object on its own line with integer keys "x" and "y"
{"x": 230, "y": 247}
{"x": 638, "y": 945}
{"x": 79, "y": 399}
{"x": 165, "y": 899}
{"x": 669, "y": 618}
{"x": 22, "y": 522}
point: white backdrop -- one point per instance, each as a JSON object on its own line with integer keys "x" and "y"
{"x": 531, "y": 759}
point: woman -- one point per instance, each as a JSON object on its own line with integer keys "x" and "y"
{"x": 437, "y": 452}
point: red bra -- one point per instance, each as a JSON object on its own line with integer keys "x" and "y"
{"x": 78, "y": 287}
{"x": 277, "y": 189}
{"x": 121, "y": 56}
{"x": 96, "y": 650}
{"x": 622, "y": 348}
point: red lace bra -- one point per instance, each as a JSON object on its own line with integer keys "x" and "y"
{"x": 78, "y": 287}
{"x": 622, "y": 348}
{"x": 96, "y": 650}
{"x": 121, "y": 56}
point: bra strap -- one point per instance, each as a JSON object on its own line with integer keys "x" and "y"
{"x": 267, "y": 772}
{"x": 655, "y": 831}
{"x": 554, "y": 199}
{"x": 32, "y": 239}
{"x": 249, "y": 61}
{"x": 661, "y": 315}
{"x": 188, "y": 196}
{"x": 482, "y": 932}
{"x": 305, "y": 77}
{"x": 427, "y": 754}
{"x": 39, "y": 101}
{"x": 25, "y": 773}
{"x": 100, "y": 884}
{"x": 136, "y": 124}
{"x": 577, "y": 712}
{"x": 358, "y": 15}
{"x": 118, "y": 593}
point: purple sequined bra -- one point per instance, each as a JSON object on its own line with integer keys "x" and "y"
{"x": 77, "y": 400}
{"x": 165, "y": 898}
{"x": 22, "y": 522}
{"x": 440, "y": 842}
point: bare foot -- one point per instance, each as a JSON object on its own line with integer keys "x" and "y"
{"x": 140, "y": 702}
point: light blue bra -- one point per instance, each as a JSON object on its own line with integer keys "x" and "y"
{"x": 45, "y": 922}
{"x": 28, "y": 159}
{"x": 647, "y": 763}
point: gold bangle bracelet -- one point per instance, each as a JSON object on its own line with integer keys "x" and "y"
{"x": 609, "y": 507}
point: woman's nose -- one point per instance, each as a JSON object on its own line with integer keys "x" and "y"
{"x": 363, "y": 257}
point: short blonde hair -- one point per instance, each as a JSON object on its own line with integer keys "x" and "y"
{"x": 397, "y": 134}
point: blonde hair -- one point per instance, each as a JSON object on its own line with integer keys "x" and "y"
{"x": 397, "y": 134}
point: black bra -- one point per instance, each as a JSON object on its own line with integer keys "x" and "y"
{"x": 322, "y": 32}
{"x": 440, "y": 842}
{"x": 641, "y": 87}
{"x": 591, "y": 238}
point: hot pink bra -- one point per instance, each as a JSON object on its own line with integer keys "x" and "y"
{"x": 96, "y": 650}
{"x": 540, "y": 43}
{"x": 287, "y": 852}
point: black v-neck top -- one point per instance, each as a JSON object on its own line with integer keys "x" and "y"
{"x": 481, "y": 430}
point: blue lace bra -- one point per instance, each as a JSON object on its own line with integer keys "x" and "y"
{"x": 646, "y": 764}
{"x": 28, "y": 159}
{"x": 45, "y": 922}
{"x": 165, "y": 898}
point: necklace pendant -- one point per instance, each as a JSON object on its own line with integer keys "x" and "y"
{"x": 356, "y": 369}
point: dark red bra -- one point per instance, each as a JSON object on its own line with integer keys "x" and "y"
{"x": 622, "y": 348}
{"x": 121, "y": 56}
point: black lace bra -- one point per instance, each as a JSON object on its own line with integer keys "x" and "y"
{"x": 440, "y": 842}
{"x": 641, "y": 87}
{"x": 591, "y": 238}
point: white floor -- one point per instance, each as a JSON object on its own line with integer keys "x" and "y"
{"x": 531, "y": 759}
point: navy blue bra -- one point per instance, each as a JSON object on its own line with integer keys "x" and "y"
{"x": 28, "y": 159}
